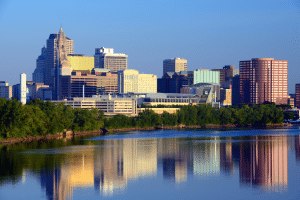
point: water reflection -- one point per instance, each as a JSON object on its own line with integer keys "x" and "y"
{"x": 264, "y": 162}
{"x": 109, "y": 165}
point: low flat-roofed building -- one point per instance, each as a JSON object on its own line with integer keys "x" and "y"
{"x": 170, "y": 99}
{"x": 207, "y": 91}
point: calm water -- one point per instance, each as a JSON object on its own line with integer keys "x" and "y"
{"x": 169, "y": 164}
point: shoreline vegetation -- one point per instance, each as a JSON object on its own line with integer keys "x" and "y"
{"x": 39, "y": 120}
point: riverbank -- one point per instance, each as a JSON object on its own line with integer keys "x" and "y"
{"x": 70, "y": 134}
{"x": 65, "y": 135}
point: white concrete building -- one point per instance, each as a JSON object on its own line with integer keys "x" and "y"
{"x": 23, "y": 88}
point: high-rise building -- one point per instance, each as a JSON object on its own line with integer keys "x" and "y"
{"x": 5, "y": 90}
{"x": 264, "y": 79}
{"x": 56, "y": 61}
{"x": 297, "y": 95}
{"x": 171, "y": 82}
{"x": 235, "y": 90}
{"x": 131, "y": 81}
{"x": 206, "y": 76}
{"x": 174, "y": 65}
{"x": 38, "y": 76}
{"x": 227, "y": 72}
{"x": 107, "y": 59}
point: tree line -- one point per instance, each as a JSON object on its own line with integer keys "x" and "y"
{"x": 39, "y": 118}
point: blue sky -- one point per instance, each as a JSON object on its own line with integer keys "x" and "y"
{"x": 209, "y": 34}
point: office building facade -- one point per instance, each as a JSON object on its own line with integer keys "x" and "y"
{"x": 227, "y": 72}
{"x": 297, "y": 95}
{"x": 105, "y": 58}
{"x": 94, "y": 84}
{"x": 107, "y": 103}
{"x": 171, "y": 82}
{"x": 38, "y": 76}
{"x": 264, "y": 79}
{"x": 81, "y": 63}
{"x": 57, "y": 64}
{"x": 130, "y": 81}
{"x": 5, "y": 90}
{"x": 174, "y": 65}
{"x": 206, "y": 76}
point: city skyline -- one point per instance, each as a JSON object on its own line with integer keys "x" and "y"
{"x": 207, "y": 34}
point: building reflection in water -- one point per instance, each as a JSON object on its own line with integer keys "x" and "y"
{"x": 226, "y": 157}
{"x": 174, "y": 156}
{"x": 123, "y": 160}
{"x": 109, "y": 167}
{"x": 264, "y": 162}
{"x": 76, "y": 170}
{"x": 297, "y": 148}
{"x": 206, "y": 158}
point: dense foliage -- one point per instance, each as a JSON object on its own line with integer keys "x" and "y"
{"x": 40, "y": 118}
{"x": 243, "y": 115}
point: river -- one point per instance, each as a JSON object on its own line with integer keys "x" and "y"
{"x": 163, "y": 164}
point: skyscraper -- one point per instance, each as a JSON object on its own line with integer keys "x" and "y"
{"x": 38, "y": 76}
{"x": 107, "y": 59}
{"x": 264, "y": 79}
{"x": 174, "y": 65}
{"x": 56, "y": 62}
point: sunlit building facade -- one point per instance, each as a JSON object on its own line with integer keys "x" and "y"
{"x": 130, "y": 81}
{"x": 81, "y": 63}
{"x": 264, "y": 79}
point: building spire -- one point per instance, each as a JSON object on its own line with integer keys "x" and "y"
{"x": 61, "y": 30}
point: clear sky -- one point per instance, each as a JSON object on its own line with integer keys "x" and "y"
{"x": 208, "y": 33}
